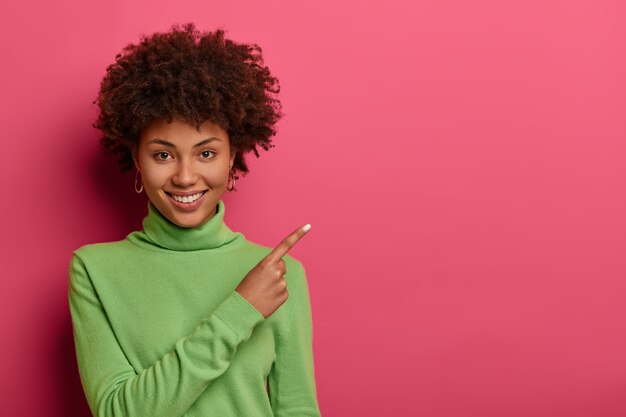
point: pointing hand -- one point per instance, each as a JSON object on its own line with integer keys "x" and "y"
{"x": 264, "y": 287}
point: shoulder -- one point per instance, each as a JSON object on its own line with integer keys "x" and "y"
{"x": 103, "y": 259}
{"x": 102, "y": 251}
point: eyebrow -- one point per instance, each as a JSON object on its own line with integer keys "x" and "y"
{"x": 171, "y": 145}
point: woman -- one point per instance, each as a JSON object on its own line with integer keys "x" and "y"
{"x": 187, "y": 317}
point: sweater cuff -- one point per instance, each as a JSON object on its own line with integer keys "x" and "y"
{"x": 238, "y": 314}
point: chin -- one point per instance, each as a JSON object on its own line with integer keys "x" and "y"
{"x": 189, "y": 220}
{"x": 186, "y": 224}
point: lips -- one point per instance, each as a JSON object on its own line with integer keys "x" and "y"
{"x": 187, "y": 206}
{"x": 186, "y": 193}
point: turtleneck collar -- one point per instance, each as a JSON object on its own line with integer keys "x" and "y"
{"x": 159, "y": 231}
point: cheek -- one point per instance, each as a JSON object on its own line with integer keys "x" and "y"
{"x": 216, "y": 177}
{"x": 152, "y": 184}
{"x": 154, "y": 178}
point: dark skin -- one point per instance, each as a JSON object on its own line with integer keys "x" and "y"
{"x": 175, "y": 159}
{"x": 264, "y": 286}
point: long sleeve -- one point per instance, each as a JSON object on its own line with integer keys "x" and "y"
{"x": 291, "y": 380}
{"x": 172, "y": 384}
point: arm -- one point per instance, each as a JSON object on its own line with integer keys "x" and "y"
{"x": 291, "y": 380}
{"x": 173, "y": 383}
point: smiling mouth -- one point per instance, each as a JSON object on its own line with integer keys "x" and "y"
{"x": 186, "y": 199}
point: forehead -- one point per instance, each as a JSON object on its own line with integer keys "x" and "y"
{"x": 181, "y": 133}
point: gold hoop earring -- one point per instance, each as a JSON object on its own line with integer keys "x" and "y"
{"x": 231, "y": 174}
{"x": 141, "y": 189}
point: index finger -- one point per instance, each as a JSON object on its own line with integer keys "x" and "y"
{"x": 287, "y": 243}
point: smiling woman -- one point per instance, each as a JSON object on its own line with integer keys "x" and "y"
{"x": 184, "y": 170}
{"x": 186, "y": 316}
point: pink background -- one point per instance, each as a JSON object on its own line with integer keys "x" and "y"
{"x": 462, "y": 165}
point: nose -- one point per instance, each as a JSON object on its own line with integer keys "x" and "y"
{"x": 185, "y": 174}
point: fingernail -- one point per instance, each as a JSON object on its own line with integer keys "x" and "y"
{"x": 306, "y": 227}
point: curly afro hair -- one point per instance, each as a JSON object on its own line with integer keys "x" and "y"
{"x": 192, "y": 76}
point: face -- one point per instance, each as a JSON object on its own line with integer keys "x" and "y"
{"x": 176, "y": 160}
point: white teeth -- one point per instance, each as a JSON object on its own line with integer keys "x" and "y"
{"x": 187, "y": 199}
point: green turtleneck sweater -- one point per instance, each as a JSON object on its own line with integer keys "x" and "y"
{"x": 160, "y": 331}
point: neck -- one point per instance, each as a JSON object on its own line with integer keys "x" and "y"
{"x": 160, "y": 233}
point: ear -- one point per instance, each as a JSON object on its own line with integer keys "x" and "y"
{"x": 233, "y": 154}
{"x": 135, "y": 159}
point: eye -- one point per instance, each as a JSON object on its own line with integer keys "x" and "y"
{"x": 159, "y": 154}
{"x": 203, "y": 153}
